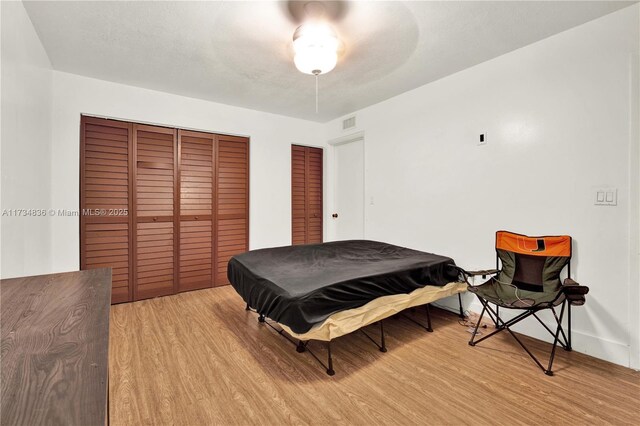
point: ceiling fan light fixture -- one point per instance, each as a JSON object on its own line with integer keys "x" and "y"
{"x": 316, "y": 48}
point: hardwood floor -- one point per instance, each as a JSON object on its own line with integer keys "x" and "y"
{"x": 200, "y": 358}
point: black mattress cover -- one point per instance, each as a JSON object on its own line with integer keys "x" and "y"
{"x": 300, "y": 286}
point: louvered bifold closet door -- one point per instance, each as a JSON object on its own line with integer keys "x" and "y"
{"x": 232, "y": 202}
{"x": 155, "y": 206}
{"x": 306, "y": 195}
{"x": 197, "y": 164}
{"x": 298, "y": 195}
{"x": 105, "y": 190}
{"x": 314, "y": 195}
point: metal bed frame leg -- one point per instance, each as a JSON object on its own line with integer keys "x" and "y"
{"x": 429, "y": 329}
{"x": 383, "y": 346}
{"x": 428, "y": 326}
{"x": 261, "y": 318}
{"x": 330, "y": 370}
{"x": 247, "y": 308}
{"x": 300, "y": 347}
{"x": 460, "y": 304}
{"x": 569, "y": 348}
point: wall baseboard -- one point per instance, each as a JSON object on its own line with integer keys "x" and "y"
{"x": 607, "y": 350}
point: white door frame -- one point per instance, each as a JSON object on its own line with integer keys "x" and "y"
{"x": 332, "y": 144}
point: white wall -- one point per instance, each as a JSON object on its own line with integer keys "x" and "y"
{"x": 25, "y": 146}
{"x": 270, "y": 150}
{"x": 559, "y": 115}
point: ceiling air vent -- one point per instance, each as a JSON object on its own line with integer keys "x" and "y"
{"x": 349, "y": 123}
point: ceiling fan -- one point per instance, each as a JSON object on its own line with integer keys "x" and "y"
{"x": 315, "y": 41}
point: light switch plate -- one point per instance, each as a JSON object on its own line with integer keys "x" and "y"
{"x": 606, "y": 196}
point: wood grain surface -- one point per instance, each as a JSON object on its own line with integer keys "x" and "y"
{"x": 150, "y": 184}
{"x": 55, "y": 347}
{"x": 106, "y": 162}
{"x": 231, "y": 232}
{"x": 306, "y": 195}
{"x": 199, "y": 358}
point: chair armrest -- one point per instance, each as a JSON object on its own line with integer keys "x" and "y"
{"x": 483, "y": 272}
{"x": 574, "y": 292}
{"x": 466, "y": 274}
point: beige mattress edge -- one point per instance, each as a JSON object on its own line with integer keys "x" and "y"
{"x": 348, "y": 321}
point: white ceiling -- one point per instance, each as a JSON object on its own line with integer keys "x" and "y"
{"x": 239, "y": 53}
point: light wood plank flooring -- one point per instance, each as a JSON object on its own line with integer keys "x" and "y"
{"x": 200, "y": 358}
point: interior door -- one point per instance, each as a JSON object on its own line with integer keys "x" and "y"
{"x": 348, "y": 217}
{"x": 298, "y": 195}
{"x": 154, "y": 211}
{"x": 306, "y": 195}
{"x": 197, "y": 164}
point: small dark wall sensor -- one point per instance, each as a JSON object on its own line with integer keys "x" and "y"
{"x": 483, "y": 139}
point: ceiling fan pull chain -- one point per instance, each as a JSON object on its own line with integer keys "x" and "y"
{"x": 317, "y": 93}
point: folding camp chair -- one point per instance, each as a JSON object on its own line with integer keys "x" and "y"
{"x": 529, "y": 280}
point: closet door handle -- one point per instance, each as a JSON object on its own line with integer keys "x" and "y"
{"x": 196, "y": 217}
{"x": 155, "y": 219}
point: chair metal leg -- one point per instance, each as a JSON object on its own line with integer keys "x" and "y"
{"x": 493, "y": 315}
{"x": 330, "y": 370}
{"x": 502, "y": 325}
{"x": 247, "y": 308}
{"x": 262, "y": 318}
{"x": 475, "y": 330}
{"x": 526, "y": 349}
{"x": 301, "y": 347}
{"x": 460, "y": 304}
{"x": 548, "y": 371}
{"x": 563, "y": 342}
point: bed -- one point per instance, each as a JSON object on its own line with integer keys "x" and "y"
{"x": 324, "y": 291}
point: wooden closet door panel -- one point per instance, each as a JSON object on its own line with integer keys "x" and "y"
{"x": 306, "y": 195}
{"x": 155, "y": 171}
{"x": 298, "y": 195}
{"x": 157, "y": 235}
{"x": 106, "y": 164}
{"x": 196, "y": 209}
{"x": 154, "y": 259}
{"x": 107, "y": 246}
{"x": 314, "y": 195}
{"x": 105, "y": 197}
{"x": 232, "y": 202}
{"x": 195, "y": 255}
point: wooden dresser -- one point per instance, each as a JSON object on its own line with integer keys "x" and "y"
{"x": 55, "y": 348}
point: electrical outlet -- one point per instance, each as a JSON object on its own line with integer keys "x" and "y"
{"x": 482, "y": 140}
